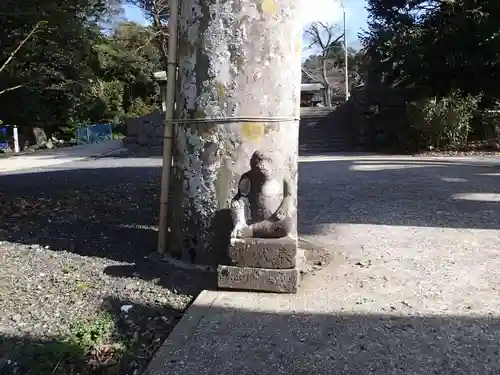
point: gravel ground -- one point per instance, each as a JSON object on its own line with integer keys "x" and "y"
{"x": 459, "y": 153}
{"x": 78, "y": 294}
{"x": 477, "y": 148}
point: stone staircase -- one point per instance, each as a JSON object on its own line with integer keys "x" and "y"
{"x": 322, "y": 130}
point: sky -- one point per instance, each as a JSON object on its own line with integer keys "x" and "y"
{"x": 323, "y": 10}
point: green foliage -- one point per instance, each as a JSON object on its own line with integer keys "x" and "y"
{"x": 91, "y": 333}
{"x": 127, "y": 61}
{"x": 433, "y": 48}
{"x": 139, "y": 108}
{"x": 435, "y": 45}
{"x": 490, "y": 122}
{"x": 69, "y": 71}
{"x": 67, "y": 353}
{"x": 446, "y": 120}
{"x": 49, "y": 357}
{"x": 118, "y": 136}
{"x": 53, "y": 66}
{"x": 108, "y": 100}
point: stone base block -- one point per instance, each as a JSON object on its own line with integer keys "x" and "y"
{"x": 263, "y": 252}
{"x": 258, "y": 279}
{"x": 129, "y": 141}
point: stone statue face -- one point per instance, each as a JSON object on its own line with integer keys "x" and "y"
{"x": 262, "y": 163}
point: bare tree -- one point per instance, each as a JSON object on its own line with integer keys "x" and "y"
{"x": 322, "y": 36}
{"x": 157, "y": 12}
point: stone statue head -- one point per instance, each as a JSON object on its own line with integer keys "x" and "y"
{"x": 263, "y": 163}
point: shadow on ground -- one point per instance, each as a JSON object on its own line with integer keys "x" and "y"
{"x": 190, "y": 282}
{"x": 136, "y": 152}
{"x": 105, "y": 212}
{"x": 111, "y": 210}
{"x": 106, "y": 209}
{"x": 227, "y": 340}
{"x": 397, "y": 192}
{"x": 251, "y": 342}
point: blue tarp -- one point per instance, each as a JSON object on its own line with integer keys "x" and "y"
{"x": 94, "y": 133}
{"x": 3, "y": 135}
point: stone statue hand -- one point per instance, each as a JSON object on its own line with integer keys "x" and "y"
{"x": 237, "y": 204}
{"x": 281, "y": 213}
{"x": 241, "y": 231}
{"x": 238, "y": 212}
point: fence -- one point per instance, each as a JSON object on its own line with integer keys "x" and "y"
{"x": 94, "y": 133}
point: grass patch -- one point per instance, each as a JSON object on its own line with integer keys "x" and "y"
{"x": 118, "y": 136}
{"x": 90, "y": 347}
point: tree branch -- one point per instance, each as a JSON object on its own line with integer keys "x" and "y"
{"x": 311, "y": 76}
{"x": 161, "y": 37}
{"x": 23, "y": 42}
{"x": 147, "y": 42}
{"x": 10, "y": 89}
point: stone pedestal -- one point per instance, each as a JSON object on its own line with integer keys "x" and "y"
{"x": 261, "y": 264}
{"x": 258, "y": 279}
{"x": 276, "y": 253}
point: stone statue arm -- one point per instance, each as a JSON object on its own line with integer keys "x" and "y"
{"x": 287, "y": 205}
{"x": 238, "y": 207}
{"x": 243, "y": 190}
{"x": 238, "y": 195}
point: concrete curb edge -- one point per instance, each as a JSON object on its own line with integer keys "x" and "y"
{"x": 106, "y": 153}
{"x": 165, "y": 358}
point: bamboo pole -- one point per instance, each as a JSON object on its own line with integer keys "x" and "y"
{"x": 168, "y": 130}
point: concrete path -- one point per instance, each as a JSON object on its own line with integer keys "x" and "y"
{"x": 413, "y": 287}
{"x": 57, "y": 156}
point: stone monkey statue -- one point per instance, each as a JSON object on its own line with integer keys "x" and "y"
{"x": 264, "y": 204}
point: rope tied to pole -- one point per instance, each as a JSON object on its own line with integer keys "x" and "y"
{"x": 229, "y": 120}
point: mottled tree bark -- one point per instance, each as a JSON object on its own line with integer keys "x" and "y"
{"x": 238, "y": 59}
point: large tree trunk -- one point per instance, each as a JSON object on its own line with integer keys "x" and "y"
{"x": 236, "y": 60}
{"x": 326, "y": 84}
{"x": 328, "y": 94}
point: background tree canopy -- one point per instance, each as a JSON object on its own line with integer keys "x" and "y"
{"x": 72, "y": 70}
{"x": 438, "y": 62}
{"x": 443, "y": 58}
{"x": 436, "y": 45}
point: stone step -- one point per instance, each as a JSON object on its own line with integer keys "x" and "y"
{"x": 258, "y": 279}
{"x": 325, "y": 146}
{"x": 325, "y": 140}
{"x": 343, "y": 146}
{"x": 326, "y": 150}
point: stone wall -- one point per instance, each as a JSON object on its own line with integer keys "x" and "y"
{"x": 321, "y": 130}
{"x": 380, "y": 120}
{"x": 146, "y": 131}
